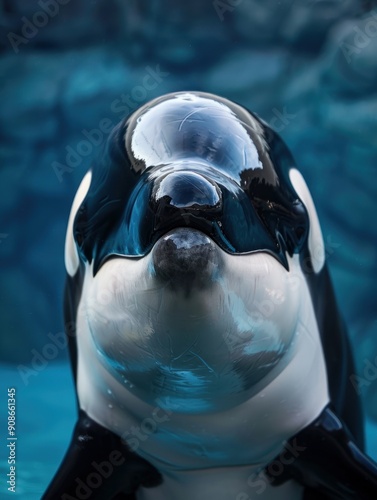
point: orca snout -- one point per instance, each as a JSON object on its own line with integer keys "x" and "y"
{"x": 184, "y": 258}
{"x": 187, "y": 190}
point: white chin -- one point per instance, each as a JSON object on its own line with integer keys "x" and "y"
{"x": 213, "y": 340}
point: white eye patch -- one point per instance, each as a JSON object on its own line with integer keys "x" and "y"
{"x": 71, "y": 257}
{"x": 315, "y": 240}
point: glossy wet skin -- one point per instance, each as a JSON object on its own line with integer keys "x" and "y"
{"x": 196, "y": 160}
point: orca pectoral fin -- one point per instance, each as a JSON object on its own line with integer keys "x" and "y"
{"x": 99, "y": 466}
{"x": 325, "y": 458}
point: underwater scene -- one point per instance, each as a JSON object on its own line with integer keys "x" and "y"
{"x": 71, "y": 70}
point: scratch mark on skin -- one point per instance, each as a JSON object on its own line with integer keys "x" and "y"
{"x": 201, "y": 190}
{"x": 244, "y": 157}
{"x": 187, "y": 350}
{"x": 190, "y": 114}
{"x": 151, "y": 145}
{"x": 170, "y": 347}
{"x": 202, "y": 360}
{"x": 165, "y": 144}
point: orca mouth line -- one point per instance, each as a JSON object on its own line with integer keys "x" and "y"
{"x": 186, "y": 258}
{"x": 192, "y": 223}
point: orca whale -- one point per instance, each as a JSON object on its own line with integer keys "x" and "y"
{"x": 208, "y": 352}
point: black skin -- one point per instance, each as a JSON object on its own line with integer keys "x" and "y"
{"x": 92, "y": 443}
{"x": 328, "y": 461}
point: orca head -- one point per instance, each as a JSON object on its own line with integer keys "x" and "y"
{"x": 191, "y": 222}
{"x": 191, "y": 160}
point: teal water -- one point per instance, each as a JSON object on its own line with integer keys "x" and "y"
{"x": 45, "y": 416}
{"x": 45, "y": 419}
